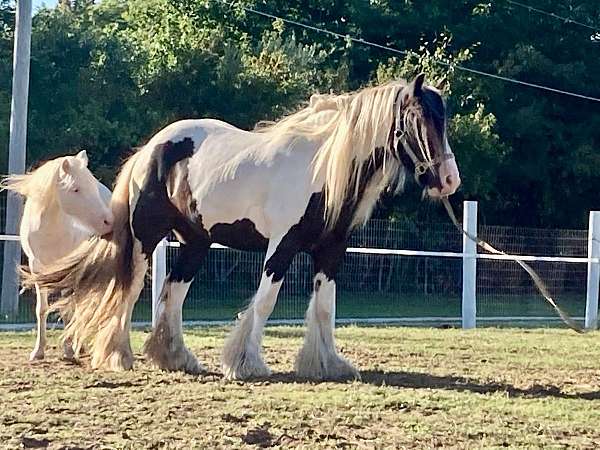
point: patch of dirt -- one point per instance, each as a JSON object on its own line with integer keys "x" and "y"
{"x": 258, "y": 436}
{"x": 30, "y": 442}
{"x": 233, "y": 419}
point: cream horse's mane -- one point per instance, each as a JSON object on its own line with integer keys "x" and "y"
{"x": 39, "y": 183}
{"x": 359, "y": 122}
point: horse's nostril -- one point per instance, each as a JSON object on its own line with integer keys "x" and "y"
{"x": 448, "y": 181}
{"x": 107, "y": 222}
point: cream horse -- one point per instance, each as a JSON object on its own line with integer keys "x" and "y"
{"x": 299, "y": 185}
{"x": 64, "y": 206}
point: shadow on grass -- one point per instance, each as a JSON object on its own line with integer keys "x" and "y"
{"x": 418, "y": 380}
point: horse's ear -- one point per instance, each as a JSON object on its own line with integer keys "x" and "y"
{"x": 82, "y": 156}
{"x": 416, "y": 86}
{"x": 442, "y": 84}
{"x": 65, "y": 167}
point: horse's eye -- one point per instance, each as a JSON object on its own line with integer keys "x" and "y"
{"x": 76, "y": 190}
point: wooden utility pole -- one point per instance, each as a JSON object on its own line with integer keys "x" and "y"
{"x": 9, "y": 300}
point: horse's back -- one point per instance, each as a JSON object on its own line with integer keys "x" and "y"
{"x": 195, "y": 129}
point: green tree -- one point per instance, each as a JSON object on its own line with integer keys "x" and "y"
{"x": 106, "y": 76}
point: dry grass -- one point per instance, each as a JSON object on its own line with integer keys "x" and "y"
{"x": 421, "y": 388}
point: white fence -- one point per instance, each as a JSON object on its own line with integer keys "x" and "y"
{"x": 469, "y": 258}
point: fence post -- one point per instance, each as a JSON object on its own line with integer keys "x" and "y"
{"x": 469, "y": 307}
{"x": 593, "y": 274}
{"x": 159, "y": 273}
{"x": 9, "y": 300}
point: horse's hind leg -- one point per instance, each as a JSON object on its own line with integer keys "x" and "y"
{"x": 67, "y": 344}
{"x": 68, "y": 352}
{"x": 165, "y": 347}
{"x": 318, "y": 358}
{"x": 41, "y": 311}
{"x": 242, "y": 353}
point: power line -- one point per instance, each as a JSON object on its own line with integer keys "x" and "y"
{"x": 551, "y": 14}
{"x": 408, "y": 53}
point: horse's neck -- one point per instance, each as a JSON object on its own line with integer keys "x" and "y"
{"x": 372, "y": 182}
{"x": 48, "y": 232}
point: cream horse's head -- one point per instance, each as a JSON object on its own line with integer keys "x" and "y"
{"x": 79, "y": 195}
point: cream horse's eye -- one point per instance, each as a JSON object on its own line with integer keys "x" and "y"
{"x": 76, "y": 190}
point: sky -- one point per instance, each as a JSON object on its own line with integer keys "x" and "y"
{"x": 37, "y": 3}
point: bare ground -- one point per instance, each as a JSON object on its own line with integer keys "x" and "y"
{"x": 420, "y": 388}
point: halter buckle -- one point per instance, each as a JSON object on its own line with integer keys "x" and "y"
{"x": 421, "y": 168}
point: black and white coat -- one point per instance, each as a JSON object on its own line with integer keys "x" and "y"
{"x": 302, "y": 185}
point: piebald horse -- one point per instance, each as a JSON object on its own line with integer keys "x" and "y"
{"x": 299, "y": 185}
{"x": 64, "y": 205}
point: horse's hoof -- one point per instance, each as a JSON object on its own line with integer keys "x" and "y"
{"x": 68, "y": 355}
{"x": 249, "y": 368}
{"x": 69, "y": 358}
{"x": 330, "y": 368}
{"x": 159, "y": 355}
{"x": 36, "y": 355}
{"x": 193, "y": 366}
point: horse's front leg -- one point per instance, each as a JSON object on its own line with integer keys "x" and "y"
{"x": 242, "y": 353}
{"x": 318, "y": 359}
{"x": 41, "y": 312}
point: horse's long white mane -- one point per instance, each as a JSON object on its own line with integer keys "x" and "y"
{"x": 359, "y": 122}
{"x": 39, "y": 183}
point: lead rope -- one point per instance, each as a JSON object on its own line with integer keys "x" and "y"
{"x": 532, "y": 273}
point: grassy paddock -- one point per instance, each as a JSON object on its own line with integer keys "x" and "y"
{"x": 421, "y": 388}
{"x": 224, "y": 305}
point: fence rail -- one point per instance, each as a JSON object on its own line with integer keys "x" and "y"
{"x": 469, "y": 257}
{"x": 387, "y": 278}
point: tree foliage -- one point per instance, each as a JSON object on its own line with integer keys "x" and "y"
{"x": 104, "y": 77}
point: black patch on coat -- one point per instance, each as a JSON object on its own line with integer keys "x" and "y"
{"x": 189, "y": 259}
{"x": 154, "y": 215}
{"x": 241, "y": 235}
{"x": 328, "y": 256}
{"x": 169, "y": 154}
{"x": 310, "y": 234}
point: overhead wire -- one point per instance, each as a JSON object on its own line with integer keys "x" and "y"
{"x": 361, "y": 41}
{"x": 553, "y": 15}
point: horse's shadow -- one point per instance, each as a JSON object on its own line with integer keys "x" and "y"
{"x": 418, "y": 380}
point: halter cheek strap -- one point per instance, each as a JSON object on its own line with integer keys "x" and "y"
{"x": 421, "y": 166}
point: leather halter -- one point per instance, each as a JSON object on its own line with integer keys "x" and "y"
{"x": 420, "y": 166}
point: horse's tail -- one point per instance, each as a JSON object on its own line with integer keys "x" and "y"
{"x": 99, "y": 277}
